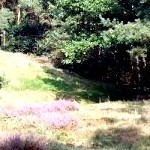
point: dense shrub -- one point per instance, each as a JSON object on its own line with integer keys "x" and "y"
{"x": 20, "y": 39}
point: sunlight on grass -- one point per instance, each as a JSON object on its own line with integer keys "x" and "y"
{"x": 24, "y": 73}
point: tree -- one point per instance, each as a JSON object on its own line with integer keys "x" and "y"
{"x": 108, "y": 36}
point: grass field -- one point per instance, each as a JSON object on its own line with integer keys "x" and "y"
{"x": 103, "y": 126}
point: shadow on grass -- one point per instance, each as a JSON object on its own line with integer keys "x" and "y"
{"x": 130, "y": 107}
{"x": 120, "y": 139}
{"x": 97, "y": 122}
{"x": 109, "y": 120}
{"x": 72, "y": 86}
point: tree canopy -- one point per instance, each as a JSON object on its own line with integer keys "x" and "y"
{"x": 108, "y": 40}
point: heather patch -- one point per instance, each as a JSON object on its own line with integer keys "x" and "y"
{"x": 96, "y": 126}
{"x": 58, "y": 120}
{"x": 54, "y": 114}
{"x": 39, "y": 109}
{"x": 30, "y": 142}
{"x": 18, "y": 142}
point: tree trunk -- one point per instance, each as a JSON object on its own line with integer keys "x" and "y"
{"x": 2, "y": 4}
{"x": 4, "y": 38}
{"x": 18, "y": 15}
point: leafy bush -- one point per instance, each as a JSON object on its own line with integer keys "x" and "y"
{"x": 36, "y": 4}
{"x": 137, "y": 33}
{"x": 3, "y": 81}
{"x": 5, "y": 15}
{"x": 20, "y": 39}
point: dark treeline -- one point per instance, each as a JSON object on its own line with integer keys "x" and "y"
{"x": 108, "y": 41}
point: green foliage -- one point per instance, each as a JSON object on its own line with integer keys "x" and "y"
{"x": 100, "y": 20}
{"x": 3, "y": 81}
{"x": 92, "y": 6}
{"x": 75, "y": 50}
{"x": 128, "y": 34}
{"x": 23, "y": 37}
{"x": 107, "y": 38}
{"x": 103, "y": 20}
{"x": 52, "y": 40}
{"x": 75, "y": 22}
{"x": 34, "y": 4}
{"x": 5, "y": 15}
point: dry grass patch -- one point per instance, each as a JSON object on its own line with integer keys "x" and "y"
{"x": 99, "y": 128}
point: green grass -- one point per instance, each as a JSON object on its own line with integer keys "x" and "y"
{"x": 30, "y": 75}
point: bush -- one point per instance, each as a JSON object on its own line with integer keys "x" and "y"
{"x": 23, "y": 142}
{"x": 5, "y": 15}
{"x": 3, "y": 81}
{"x": 17, "y": 142}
